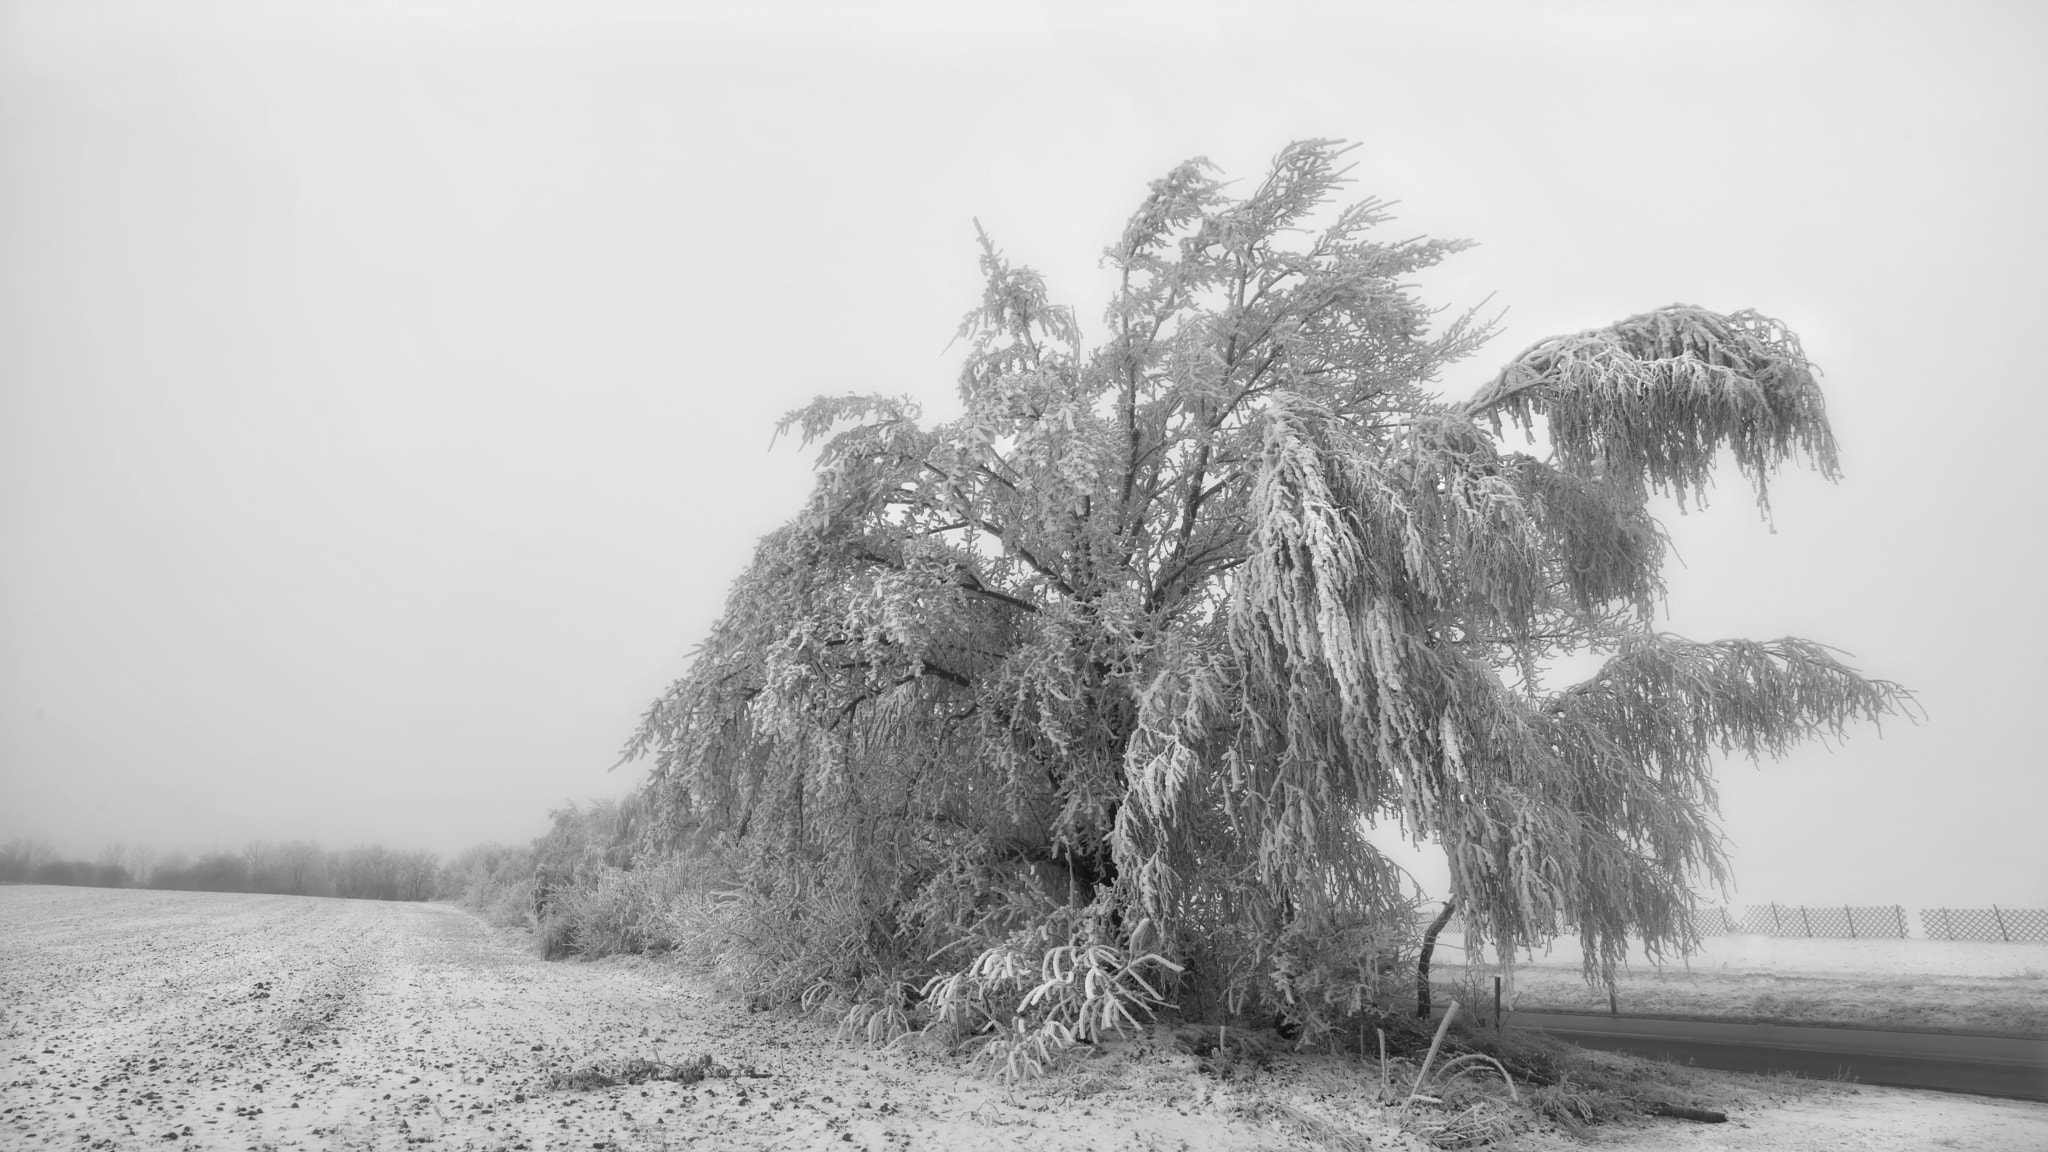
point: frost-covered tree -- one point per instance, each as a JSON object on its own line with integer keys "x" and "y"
{"x": 1147, "y": 638}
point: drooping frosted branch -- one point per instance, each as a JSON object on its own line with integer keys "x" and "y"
{"x": 1650, "y": 400}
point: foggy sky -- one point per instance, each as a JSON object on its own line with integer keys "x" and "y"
{"x": 386, "y": 389}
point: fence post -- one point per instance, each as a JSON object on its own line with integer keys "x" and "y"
{"x": 1899, "y": 911}
{"x": 1777, "y": 926}
{"x": 1851, "y": 913}
{"x": 1804, "y": 922}
{"x": 2000, "y": 917}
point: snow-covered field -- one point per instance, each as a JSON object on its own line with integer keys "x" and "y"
{"x": 1945, "y": 984}
{"x": 1802, "y": 955}
{"x": 181, "y": 1020}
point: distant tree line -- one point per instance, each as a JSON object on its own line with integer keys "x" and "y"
{"x": 297, "y": 868}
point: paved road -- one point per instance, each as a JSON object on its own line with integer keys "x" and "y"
{"x": 1986, "y": 1065}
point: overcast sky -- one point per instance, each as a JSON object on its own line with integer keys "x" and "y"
{"x": 386, "y": 389}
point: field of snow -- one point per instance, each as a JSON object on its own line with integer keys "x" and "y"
{"x": 182, "y": 1020}
{"x": 1910, "y": 957}
{"x": 1941, "y": 984}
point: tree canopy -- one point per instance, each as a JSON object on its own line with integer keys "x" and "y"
{"x": 1144, "y": 641}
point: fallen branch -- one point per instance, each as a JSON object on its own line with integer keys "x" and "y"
{"x": 1450, "y": 1064}
{"x": 1423, "y": 1073}
{"x": 610, "y": 1073}
{"x": 1383, "y": 1064}
{"x": 1679, "y": 1112}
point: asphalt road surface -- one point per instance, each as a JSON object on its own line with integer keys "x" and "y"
{"x": 1951, "y": 1062}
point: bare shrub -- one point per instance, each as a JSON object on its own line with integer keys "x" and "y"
{"x": 625, "y": 911}
{"x": 493, "y": 880}
{"x": 585, "y": 841}
{"x": 773, "y": 942}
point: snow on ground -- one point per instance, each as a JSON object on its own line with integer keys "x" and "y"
{"x": 1940, "y": 984}
{"x": 1855, "y": 1120}
{"x": 181, "y": 1021}
{"x": 1812, "y": 956}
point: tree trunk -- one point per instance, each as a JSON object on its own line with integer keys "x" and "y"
{"x": 1422, "y": 961}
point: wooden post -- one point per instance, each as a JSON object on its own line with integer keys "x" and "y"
{"x": 1851, "y": 913}
{"x": 2000, "y": 917}
{"x": 1899, "y": 911}
{"x": 1804, "y": 922}
{"x": 1777, "y": 925}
